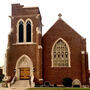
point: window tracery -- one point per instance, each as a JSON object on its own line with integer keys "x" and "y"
{"x": 60, "y": 54}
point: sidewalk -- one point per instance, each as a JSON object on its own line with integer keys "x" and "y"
{"x": 19, "y": 85}
{"x": 19, "y": 88}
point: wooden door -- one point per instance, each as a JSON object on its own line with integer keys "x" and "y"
{"x": 24, "y": 73}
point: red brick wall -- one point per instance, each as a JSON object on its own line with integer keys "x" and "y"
{"x": 56, "y": 74}
{"x": 34, "y": 51}
{"x": 15, "y": 51}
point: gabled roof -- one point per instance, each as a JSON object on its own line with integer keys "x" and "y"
{"x": 62, "y": 25}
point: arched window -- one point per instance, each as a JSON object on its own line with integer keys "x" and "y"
{"x": 21, "y": 31}
{"x": 60, "y": 54}
{"x": 28, "y": 31}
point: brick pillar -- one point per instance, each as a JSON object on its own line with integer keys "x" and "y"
{"x": 87, "y": 69}
{"x": 83, "y": 67}
{"x": 40, "y": 64}
{"x": 39, "y": 56}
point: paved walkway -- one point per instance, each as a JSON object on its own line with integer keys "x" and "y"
{"x": 19, "y": 85}
{"x": 19, "y": 88}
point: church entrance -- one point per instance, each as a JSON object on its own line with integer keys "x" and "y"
{"x": 24, "y": 73}
{"x": 24, "y": 68}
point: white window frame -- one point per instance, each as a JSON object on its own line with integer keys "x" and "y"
{"x": 69, "y": 60}
{"x": 24, "y": 35}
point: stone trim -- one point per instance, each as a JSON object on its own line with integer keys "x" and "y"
{"x": 23, "y": 43}
{"x": 28, "y": 64}
{"x": 39, "y": 46}
{"x": 40, "y": 79}
{"x": 24, "y": 16}
{"x": 38, "y": 30}
{"x": 82, "y": 52}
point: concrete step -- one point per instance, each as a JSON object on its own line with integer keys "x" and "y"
{"x": 21, "y": 83}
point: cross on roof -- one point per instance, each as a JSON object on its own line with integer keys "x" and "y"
{"x": 59, "y": 15}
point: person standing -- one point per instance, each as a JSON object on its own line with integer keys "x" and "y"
{"x": 30, "y": 81}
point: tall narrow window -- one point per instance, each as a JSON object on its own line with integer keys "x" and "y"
{"x": 28, "y": 31}
{"x": 21, "y": 31}
{"x": 60, "y": 54}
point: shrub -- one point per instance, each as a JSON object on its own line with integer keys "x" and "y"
{"x": 55, "y": 85}
{"x": 46, "y": 84}
{"x": 67, "y": 82}
{"x": 37, "y": 85}
{"x": 1, "y": 77}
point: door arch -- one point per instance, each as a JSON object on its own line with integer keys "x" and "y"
{"x": 24, "y": 62}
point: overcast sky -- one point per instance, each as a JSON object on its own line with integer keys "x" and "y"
{"x": 74, "y": 12}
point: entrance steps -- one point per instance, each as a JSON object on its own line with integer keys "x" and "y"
{"x": 21, "y": 83}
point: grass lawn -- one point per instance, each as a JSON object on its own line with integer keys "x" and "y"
{"x": 58, "y": 89}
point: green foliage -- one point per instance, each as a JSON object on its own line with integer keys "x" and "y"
{"x": 67, "y": 82}
{"x": 1, "y": 77}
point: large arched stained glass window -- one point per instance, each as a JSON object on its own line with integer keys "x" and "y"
{"x": 60, "y": 54}
{"x": 21, "y": 31}
{"x": 28, "y": 31}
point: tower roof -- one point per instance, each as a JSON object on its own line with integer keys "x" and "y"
{"x": 18, "y": 10}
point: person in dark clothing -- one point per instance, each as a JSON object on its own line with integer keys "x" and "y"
{"x": 30, "y": 80}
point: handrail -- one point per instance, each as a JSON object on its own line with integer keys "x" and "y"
{"x": 13, "y": 80}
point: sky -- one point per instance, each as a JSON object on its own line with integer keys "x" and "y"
{"x": 74, "y": 12}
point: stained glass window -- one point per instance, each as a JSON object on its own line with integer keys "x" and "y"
{"x": 60, "y": 54}
{"x": 21, "y": 32}
{"x": 28, "y": 31}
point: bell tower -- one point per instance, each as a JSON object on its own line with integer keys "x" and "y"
{"x": 25, "y": 40}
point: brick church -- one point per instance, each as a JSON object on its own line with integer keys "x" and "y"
{"x": 59, "y": 54}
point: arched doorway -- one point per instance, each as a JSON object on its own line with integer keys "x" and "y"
{"x": 24, "y": 68}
